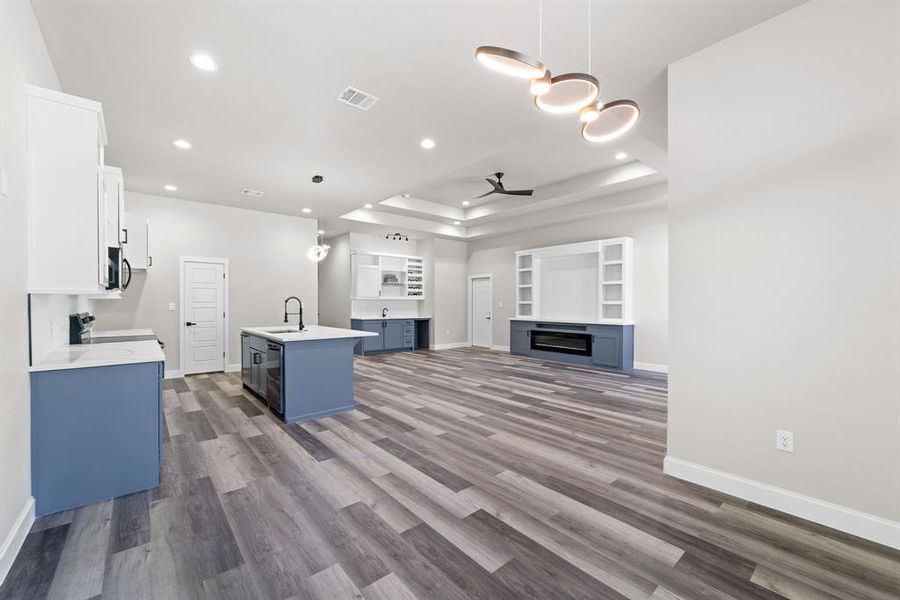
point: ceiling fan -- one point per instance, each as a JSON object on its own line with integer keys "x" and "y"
{"x": 499, "y": 189}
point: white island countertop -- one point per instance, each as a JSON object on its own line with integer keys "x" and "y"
{"x": 79, "y": 356}
{"x": 286, "y": 334}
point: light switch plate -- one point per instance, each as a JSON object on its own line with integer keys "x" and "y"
{"x": 171, "y": 307}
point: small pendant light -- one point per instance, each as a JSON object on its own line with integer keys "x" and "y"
{"x": 613, "y": 120}
{"x": 318, "y": 252}
{"x": 571, "y": 92}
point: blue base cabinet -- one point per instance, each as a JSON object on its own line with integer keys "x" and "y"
{"x": 96, "y": 433}
{"x": 394, "y": 335}
{"x": 611, "y": 346}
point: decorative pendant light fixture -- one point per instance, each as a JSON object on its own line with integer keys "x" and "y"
{"x": 613, "y": 119}
{"x": 571, "y": 92}
{"x": 567, "y": 93}
{"x": 318, "y": 252}
{"x": 509, "y": 62}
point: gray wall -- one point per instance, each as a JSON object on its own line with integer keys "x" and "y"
{"x": 646, "y": 223}
{"x": 784, "y": 198}
{"x": 23, "y": 60}
{"x": 267, "y": 254}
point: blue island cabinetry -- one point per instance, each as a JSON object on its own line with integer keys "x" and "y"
{"x": 96, "y": 433}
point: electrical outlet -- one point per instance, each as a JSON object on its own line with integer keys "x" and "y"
{"x": 784, "y": 441}
{"x": 500, "y": 304}
{"x": 171, "y": 307}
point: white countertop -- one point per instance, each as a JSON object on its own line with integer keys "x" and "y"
{"x": 79, "y": 356}
{"x": 310, "y": 334}
{"x": 120, "y": 333}
{"x": 571, "y": 321}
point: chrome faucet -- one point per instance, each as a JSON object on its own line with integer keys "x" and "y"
{"x": 299, "y": 312}
{"x": 384, "y": 312}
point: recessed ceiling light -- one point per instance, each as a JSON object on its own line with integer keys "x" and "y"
{"x": 621, "y": 156}
{"x": 204, "y": 62}
{"x": 427, "y": 143}
{"x": 170, "y": 188}
{"x": 466, "y": 203}
{"x": 321, "y": 232}
{"x": 456, "y": 222}
{"x": 367, "y": 206}
{"x": 307, "y": 210}
{"x": 183, "y": 144}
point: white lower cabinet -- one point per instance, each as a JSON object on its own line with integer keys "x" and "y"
{"x": 67, "y": 213}
{"x": 136, "y": 242}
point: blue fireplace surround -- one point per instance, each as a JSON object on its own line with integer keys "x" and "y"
{"x": 608, "y": 346}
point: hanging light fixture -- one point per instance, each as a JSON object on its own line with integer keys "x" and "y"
{"x": 541, "y": 85}
{"x": 509, "y": 62}
{"x": 572, "y": 92}
{"x": 613, "y": 120}
{"x": 569, "y": 93}
{"x": 318, "y": 252}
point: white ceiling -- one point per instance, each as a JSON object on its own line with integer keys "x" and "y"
{"x": 268, "y": 118}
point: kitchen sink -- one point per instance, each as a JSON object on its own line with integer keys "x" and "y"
{"x": 282, "y": 330}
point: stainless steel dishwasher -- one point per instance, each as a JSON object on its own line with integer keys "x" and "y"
{"x": 274, "y": 355}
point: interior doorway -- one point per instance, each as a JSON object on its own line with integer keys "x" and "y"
{"x": 480, "y": 307}
{"x": 203, "y": 321}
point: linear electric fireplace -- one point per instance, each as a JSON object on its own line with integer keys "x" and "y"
{"x": 561, "y": 341}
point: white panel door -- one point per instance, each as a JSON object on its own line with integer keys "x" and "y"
{"x": 481, "y": 312}
{"x": 204, "y": 326}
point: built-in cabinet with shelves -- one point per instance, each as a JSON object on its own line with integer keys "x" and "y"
{"x": 67, "y": 208}
{"x": 387, "y": 277}
{"x": 581, "y": 282}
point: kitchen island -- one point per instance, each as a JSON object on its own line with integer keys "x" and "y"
{"x": 300, "y": 375}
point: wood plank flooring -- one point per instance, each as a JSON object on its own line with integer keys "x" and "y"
{"x": 461, "y": 474}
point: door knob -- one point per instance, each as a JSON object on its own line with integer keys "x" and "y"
{"x": 189, "y": 323}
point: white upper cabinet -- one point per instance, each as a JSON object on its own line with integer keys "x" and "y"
{"x": 67, "y": 206}
{"x": 387, "y": 276}
{"x": 114, "y": 183}
{"x": 368, "y": 281}
{"x": 136, "y": 242}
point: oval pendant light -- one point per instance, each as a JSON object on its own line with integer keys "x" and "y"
{"x": 510, "y": 62}
{"x": 569, "y": 93}
{"x": 613, "y": 120}
{"x": 541, "y": 85}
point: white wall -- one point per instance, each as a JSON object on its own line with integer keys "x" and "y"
{"x": 784, "y": 167}
{"x": 450, "y": 326}
{"x": 50, "y": 321}
{"x": 334, "y": 283}
{"x": 268, "y": 263}
{"x": 646, "y": 223}
{"x": 23, "y": 59}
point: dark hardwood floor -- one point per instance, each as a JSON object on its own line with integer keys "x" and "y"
{"x": 462, "y": 474}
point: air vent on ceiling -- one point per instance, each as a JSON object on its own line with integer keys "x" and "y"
{"x": 357, "y": 98}
{"x": 252, "y": 193}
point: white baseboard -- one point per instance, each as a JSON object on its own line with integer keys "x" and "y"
{"x": 451, "y": 345}
{"x": 15, "y": 538}
{"x": 497, "y": 348}
{"x": 172, "y": 374}
{"x": 645, "y": 366}
{"x": 233, "y": 368}
{"x": 870, "y": 527}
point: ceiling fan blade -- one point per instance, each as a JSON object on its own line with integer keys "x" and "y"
{"x": 517, "y": 192}
{"x": 487, "y": 194}
{"x": 495, "y": 184}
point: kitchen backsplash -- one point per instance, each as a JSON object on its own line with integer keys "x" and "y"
{"x": 50, "y": 320}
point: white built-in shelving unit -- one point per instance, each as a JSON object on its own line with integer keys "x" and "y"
{"x": 387, "y": 277}
{"x": 581, "y": 282}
